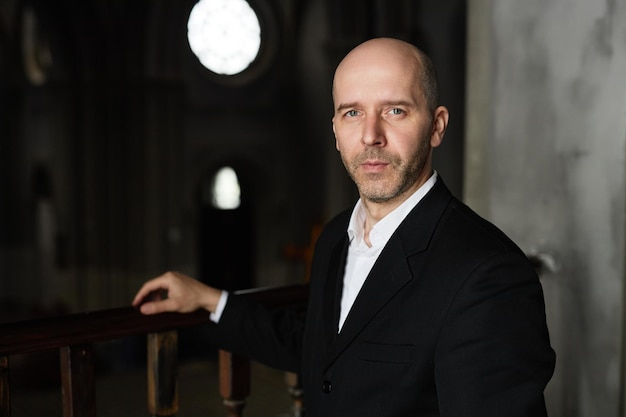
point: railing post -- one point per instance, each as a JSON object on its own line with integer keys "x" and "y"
{"x": 5, "y": 399}
{"x": 234, "y": 382}
{"x": 294, "y": 386}
{"x": 77, "y": 381}
{"x": 162, "y": 373}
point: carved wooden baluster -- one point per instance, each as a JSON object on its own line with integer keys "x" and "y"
{"x": 294, "y": 386}
{"x": 162, "y": 374}
{"x": 5, "y": 399}
{"x": 78, "y": 381}
{"x": 234, "y": 382}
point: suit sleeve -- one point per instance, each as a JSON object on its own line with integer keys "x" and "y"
{"x": 494, "y": 357}
{"x": 270, "y": 336}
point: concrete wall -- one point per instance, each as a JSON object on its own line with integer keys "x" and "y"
{"x": 546, "y": 161}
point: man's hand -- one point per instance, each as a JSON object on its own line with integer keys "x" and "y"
{"x": 182, "y": 294}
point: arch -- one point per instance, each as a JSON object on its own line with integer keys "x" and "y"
{"x": 226, "y": 239}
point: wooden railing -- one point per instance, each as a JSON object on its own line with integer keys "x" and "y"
{"x": 74, "y": 336}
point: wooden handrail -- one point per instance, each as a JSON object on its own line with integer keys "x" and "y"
{"x": 74, "y": 334}
{"x": 53, "y": 333}
{"x": 89, "y": 327}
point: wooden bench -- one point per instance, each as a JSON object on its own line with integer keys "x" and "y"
{"x": 74, "y": 336}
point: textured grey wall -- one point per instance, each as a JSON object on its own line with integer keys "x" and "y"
{"x": 546, "y": 162}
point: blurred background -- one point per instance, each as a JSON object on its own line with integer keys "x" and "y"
{"x": 142, "y": 136}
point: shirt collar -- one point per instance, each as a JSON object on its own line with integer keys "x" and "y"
{"x": 384, "y": 228}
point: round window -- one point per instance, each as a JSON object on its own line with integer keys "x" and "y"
{"x": 225, "y": 35}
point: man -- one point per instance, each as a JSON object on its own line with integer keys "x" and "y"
{"x": 418, "y": 307}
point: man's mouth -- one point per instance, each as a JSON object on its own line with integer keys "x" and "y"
{"x": 374, "y": 166}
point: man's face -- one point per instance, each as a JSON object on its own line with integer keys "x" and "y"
{"x": 382, "y": 126}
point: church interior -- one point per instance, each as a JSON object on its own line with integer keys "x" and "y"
{"x": 135, "y": 140}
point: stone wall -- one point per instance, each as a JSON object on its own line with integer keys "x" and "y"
{"x": 546, "y": 162}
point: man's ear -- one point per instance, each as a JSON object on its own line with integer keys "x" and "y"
{"x": 440, "y": 123}
{"x": 335, "y": 133}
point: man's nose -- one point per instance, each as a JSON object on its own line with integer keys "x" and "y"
{"x": 373, "y": 132}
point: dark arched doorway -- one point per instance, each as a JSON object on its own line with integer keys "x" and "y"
{"x": 226, "y": 230}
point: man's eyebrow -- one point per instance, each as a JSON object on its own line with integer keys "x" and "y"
{"x": 399, "y": 103}
{"x": 344, "y": 106}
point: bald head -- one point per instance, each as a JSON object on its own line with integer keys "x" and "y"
{"x": 385, "y": 52}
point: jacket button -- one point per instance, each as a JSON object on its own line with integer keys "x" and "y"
{"x": 327, "y": 387}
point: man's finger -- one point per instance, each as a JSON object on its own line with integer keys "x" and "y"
{"x": 155, "y": 307}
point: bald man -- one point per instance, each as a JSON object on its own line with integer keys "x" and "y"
{"x": 418, "y": 306}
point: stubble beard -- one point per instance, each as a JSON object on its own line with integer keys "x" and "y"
{"x": 399, "y": 176}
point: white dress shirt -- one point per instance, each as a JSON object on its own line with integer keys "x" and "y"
{"x": 361, "y": 257}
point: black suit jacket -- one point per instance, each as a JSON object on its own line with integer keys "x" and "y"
{"x": 449, "y": 322}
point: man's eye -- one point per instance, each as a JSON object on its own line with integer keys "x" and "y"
{"x": 352, "y": 113}
{"x": 396, "y": 111}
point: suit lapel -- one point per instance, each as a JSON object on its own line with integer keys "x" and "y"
{"x": 333, "y": 289}
{"x": 387, "y": 277}
{"x": 391, "y": 272}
